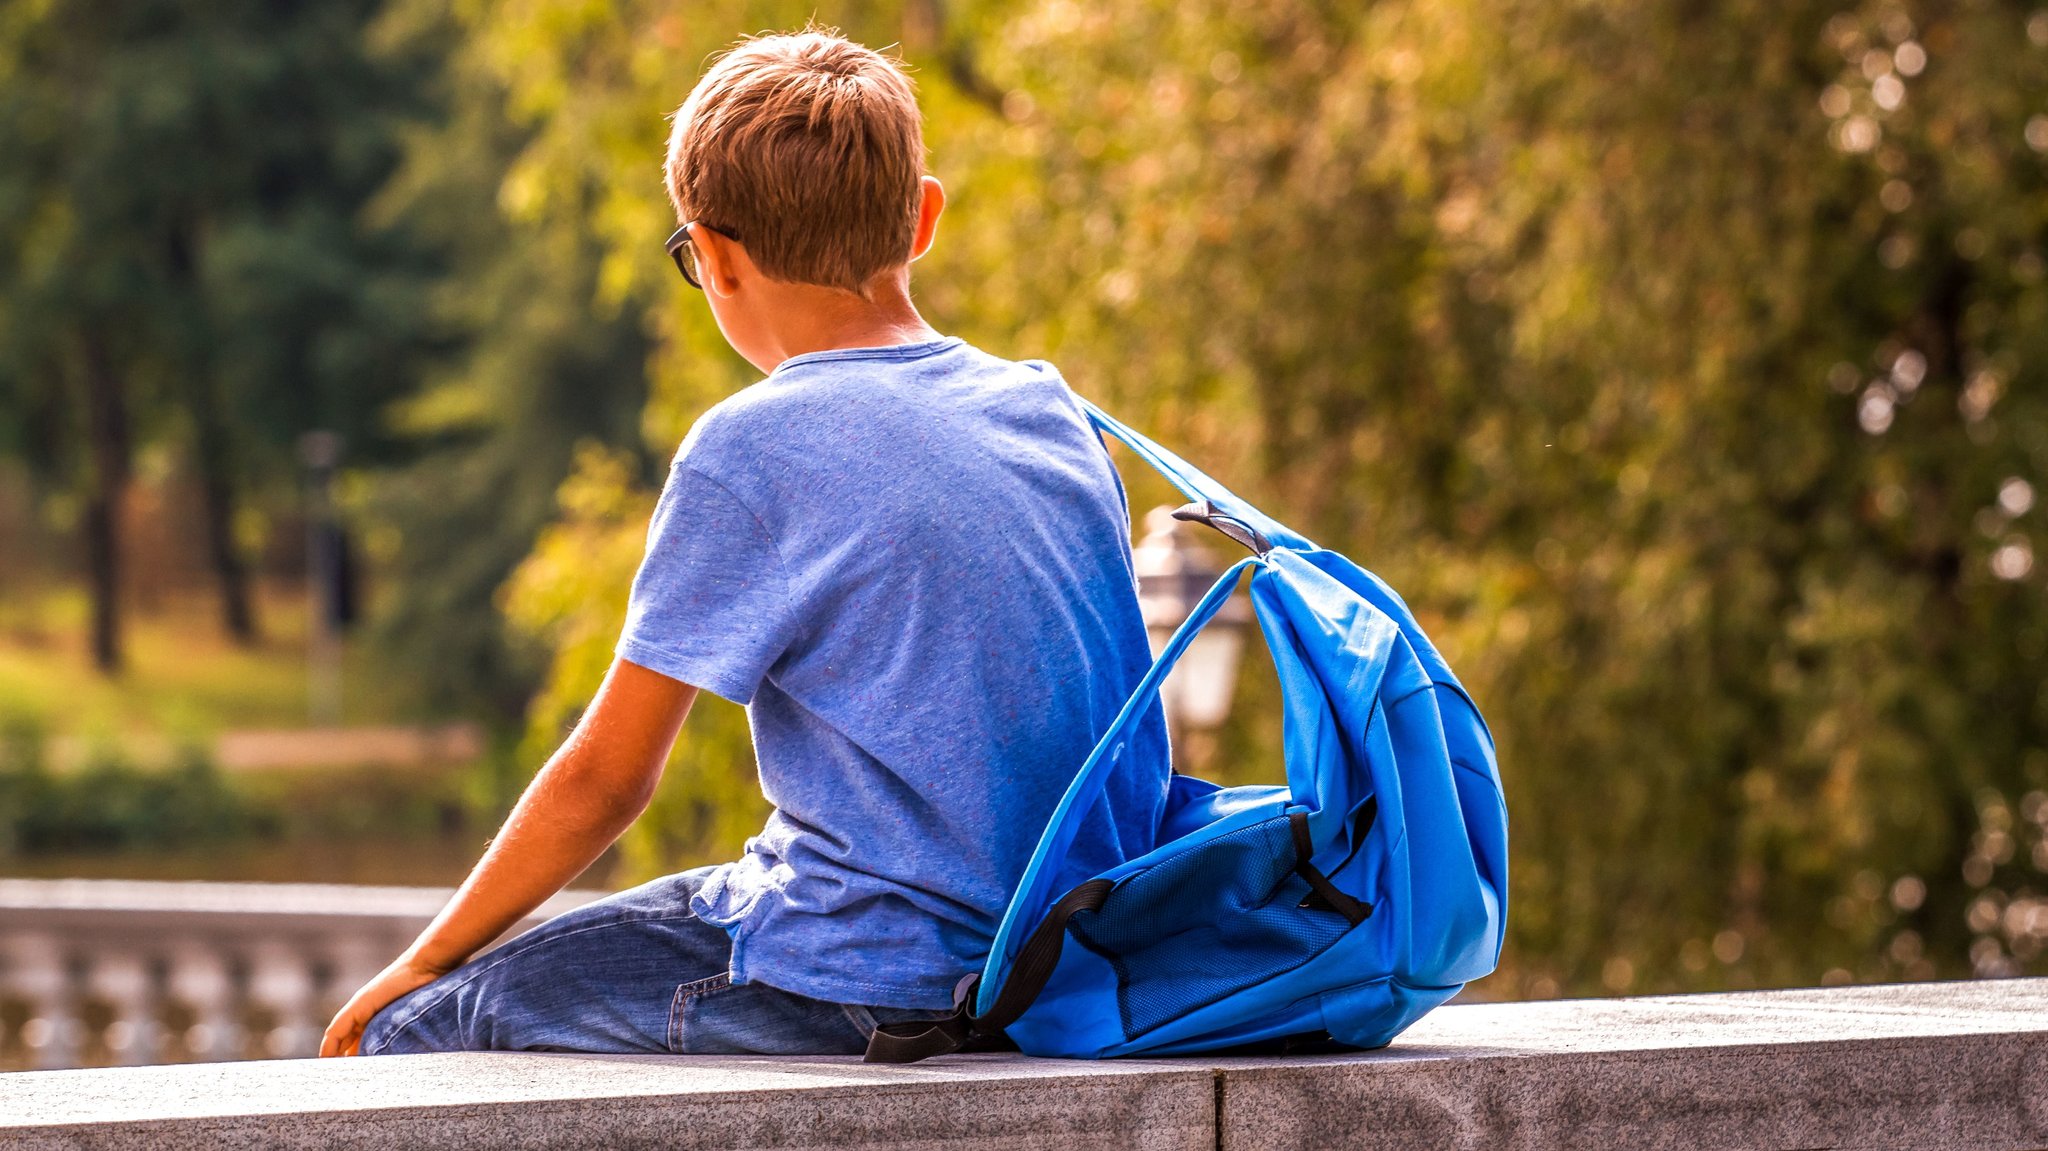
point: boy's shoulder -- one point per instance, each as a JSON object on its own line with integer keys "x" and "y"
{"x": 828, "y": 394}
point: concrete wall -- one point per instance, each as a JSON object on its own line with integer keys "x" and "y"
{"x": 98, "y": 971}
{"x": 1918, "y": 1065}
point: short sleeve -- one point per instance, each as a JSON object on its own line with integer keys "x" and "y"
{"x": 710, "y": 604}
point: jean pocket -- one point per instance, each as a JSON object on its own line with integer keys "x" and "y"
{"x": 690, "y": 995}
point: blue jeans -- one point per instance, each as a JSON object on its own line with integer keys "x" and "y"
{"x": 635, "y": 972}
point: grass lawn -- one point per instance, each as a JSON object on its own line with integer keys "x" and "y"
{"x": 184, "y": 680}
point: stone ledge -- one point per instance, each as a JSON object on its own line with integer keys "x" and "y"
{"x": 1919, "y": 1065}
{"x": 533, "y": 1100}
{"x": 1929, "y": 1065}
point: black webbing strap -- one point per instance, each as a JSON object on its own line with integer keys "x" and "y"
{"x": 1322, "y": 893}
{"x": 1206, "y": 512}
{"x": 910, "y": 1042}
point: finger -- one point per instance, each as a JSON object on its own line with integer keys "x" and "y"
{"x": 341, "y": 1036}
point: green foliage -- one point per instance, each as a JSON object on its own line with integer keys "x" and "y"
{"x": 1662, "y": 389}
{"x": 539, "y": 358}
{"x": 1681, "y": 367}
{"x": 194, "y": 174}
{"x": 109, "y": 805}
{"x": 1684, "y": 368}
{"x": 108, "y": 815}
{"x": 183, "y": 258}
{"x": 569, "y": 595}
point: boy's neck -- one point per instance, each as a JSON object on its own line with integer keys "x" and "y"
{"x": 811, "y": 318}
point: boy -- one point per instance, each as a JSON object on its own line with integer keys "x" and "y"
{"x": 909, "y": 559}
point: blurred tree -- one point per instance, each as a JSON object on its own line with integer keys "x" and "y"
{"x": 180, "y": 250}
{"x": 1683, "y": 366}
{"x": 542, "y": 356}
{"x": 1652, "y": 351}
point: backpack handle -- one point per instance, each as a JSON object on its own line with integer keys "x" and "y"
{"x": 1196, "y": 485}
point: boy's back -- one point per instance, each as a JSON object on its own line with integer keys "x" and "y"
{"x": 911, "y": 562}
{"x": 910, "y": 559}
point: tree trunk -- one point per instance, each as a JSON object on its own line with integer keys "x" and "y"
{"x": 217, "y": 491}
{"x": 216, "y": 446}
{"x": 106, "y": 421}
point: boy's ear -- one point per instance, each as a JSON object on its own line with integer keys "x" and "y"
{"x": 718, "y": 260}
{"x": 931, "y": 202}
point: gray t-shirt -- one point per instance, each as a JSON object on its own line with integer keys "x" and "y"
{"x": 913, "y": 565}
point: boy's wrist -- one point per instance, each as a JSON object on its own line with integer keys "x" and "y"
{"x": 427, "y": 961}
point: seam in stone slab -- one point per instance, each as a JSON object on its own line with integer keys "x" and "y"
{"x": 1220, "y": 1084}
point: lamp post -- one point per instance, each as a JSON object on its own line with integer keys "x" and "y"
{"x": 1173, "y": 574}
{"x": 320, "y": 451}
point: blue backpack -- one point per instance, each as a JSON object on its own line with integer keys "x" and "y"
{"x": 1340, "y": 907}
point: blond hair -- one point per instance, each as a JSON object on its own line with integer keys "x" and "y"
{"x": 808, "y": 149}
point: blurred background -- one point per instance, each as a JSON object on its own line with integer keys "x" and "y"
{"x": 1685, "y": 367}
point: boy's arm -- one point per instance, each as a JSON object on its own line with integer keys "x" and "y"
{"x": 586, "y": 796}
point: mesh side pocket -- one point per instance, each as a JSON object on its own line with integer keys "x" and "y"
{"x": 1205, "y": 923}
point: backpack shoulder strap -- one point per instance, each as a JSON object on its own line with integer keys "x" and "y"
{"x": 1028, "y": 942}
{"x": 1034, "y": 890}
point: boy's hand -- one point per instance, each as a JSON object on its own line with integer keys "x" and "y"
{"x": 586, "y": 795}
{"x": 345, "y": 1035}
